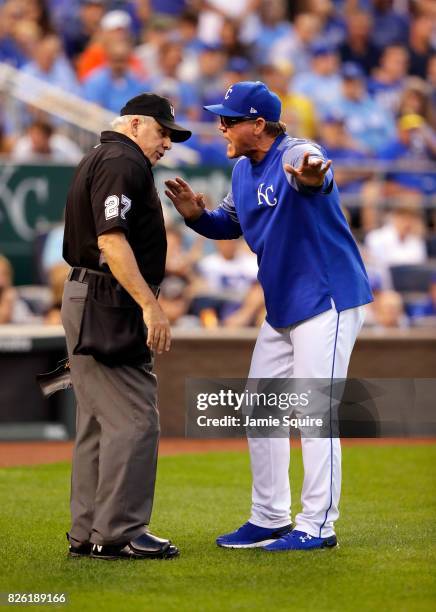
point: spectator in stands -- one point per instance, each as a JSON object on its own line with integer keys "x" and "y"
{"x": 322, "y": 84}
{"x": 388, "y": 310}
{"x": 399, "y": 241}
{"x": 347, "y": 158}
{"x": 155, "y": 34}
{"x": 369, "y": 124}
{"x": 416, "y": 100}
{"x": 27, "y": 35}
{"x": 77, "y": 32}
{"x": 214, "y": 80}
{"x": 215, "y": 76}
{"x": 6, "y": 141}
{"x": 388, "y": 80}
{"x": 251, "y": 312}
{"x": 174, "y": 299}
{"x": 237, "y": 69}
{"x": 298, "y": 111}
{"x": 230, "y": 39}
{"x": 115, "y": 27}
{"x": 12, "y": 308}
{"x": 421, "y": 45}
{"x": 270, "y": 26}
{"x": 41, "y": 144}
{"x": 175, "y": 296}
{"x": 227, "y": 279}
{"x": 169, "y": 8}
{"x": 49, "y": 65}
{"x": 57, "y": 277}
{"x": 412, "y": 149}
{"x": 214, "y": 13}
{"x": 166, "y": 80}
{"x": 358, "y": 47}
{"x": 186, "y": 33}
{"x": 140, "y": 12}
{"x": 390, "y": 25}
{"x": 11, "y": 15}
{"x": 296, "y": 46}
{"x": 431, "y": 80}
{"x": 210, "y": 82}
{"x": 62, "y": 11}
{"x": 333, "y": 25}
{"x": 181, "y": 260}
{"x": 187, "y": 30}
{"x": 38, "y": 11}
{"x": 50, "y": 252}
{"x": 112, "y": 85}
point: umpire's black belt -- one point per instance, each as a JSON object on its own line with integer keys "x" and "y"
{"x": 82, "y": 275}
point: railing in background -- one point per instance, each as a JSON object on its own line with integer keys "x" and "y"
{"x": 80, "y": 120}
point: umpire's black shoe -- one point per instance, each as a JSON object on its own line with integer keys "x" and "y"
{"x": 145, "y": 546}
{"x": 82, "y": 549}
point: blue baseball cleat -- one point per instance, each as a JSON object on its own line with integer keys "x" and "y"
{"x": 252, "y": 536}
{"x": 298, "y": 540}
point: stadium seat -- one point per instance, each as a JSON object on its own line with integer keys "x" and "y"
{"x": 431, "y": 246}
{"x": 412, "y": 278}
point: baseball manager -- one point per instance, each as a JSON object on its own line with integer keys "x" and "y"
{"x": 285, "y": 203}
{"x": 115, "y": 242}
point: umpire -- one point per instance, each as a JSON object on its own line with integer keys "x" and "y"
{"x": 115, "y": 242}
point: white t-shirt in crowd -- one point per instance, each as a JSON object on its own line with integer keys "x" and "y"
{"x": 384, "y": 248}
{"x": 230, "y": 278}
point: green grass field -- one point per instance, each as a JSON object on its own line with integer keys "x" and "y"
{"x": 386, "y": 558}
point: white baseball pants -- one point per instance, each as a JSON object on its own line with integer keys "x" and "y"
{"x": 317, "y": 348}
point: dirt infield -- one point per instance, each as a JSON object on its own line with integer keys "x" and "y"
{"x": 33, "y": 453}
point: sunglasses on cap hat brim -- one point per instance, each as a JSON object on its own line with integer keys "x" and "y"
{"x": 229, "y": 122}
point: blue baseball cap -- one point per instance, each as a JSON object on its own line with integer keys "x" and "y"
{"x": 353, "y": 71}
{"x": 238, "y": 64}
{"x": 322, "y": 48}
{"x": 248, "y": 99}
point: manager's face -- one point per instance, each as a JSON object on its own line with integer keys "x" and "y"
{"x": 241, "y": 133}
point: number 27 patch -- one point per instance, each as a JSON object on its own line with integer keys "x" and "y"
{"x": 112, "y": 206}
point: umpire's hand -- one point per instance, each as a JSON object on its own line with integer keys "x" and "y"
{"x": 189, "y": 204}
{"x": 158, "y": 326}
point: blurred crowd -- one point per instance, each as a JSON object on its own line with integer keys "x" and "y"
{"x": 357, "y": 76}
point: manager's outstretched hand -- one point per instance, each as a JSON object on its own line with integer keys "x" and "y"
{"x": 310, "y": 173}
{"x": 189, "y": 204}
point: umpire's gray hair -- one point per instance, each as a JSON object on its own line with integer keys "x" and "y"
{"x": 124, "y": 120}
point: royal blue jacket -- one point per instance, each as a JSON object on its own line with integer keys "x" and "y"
{"x": 306, "y": 253}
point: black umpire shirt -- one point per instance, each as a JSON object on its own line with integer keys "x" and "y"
{"x": 113, "y": 188}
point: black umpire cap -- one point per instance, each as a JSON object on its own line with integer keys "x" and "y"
{"x": 152, "y": 105}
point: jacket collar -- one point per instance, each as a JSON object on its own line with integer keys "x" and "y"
{"x": 111, "y": 136}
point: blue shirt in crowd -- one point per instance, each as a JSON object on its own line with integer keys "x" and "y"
{"x": 101, "y": 87}
{"x": 368, "y": 123}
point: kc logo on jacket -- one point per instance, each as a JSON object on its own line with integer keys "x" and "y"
{"x": 263, "y": 197}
